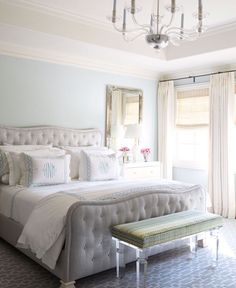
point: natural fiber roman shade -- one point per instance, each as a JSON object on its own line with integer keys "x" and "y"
{"x": 192, "y": 107}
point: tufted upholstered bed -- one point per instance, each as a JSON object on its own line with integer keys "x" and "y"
{"x": 88, "y": 247}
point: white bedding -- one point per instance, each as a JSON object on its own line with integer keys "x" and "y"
{"x": 42, "y": 210}
{"x": 18, "y": 202}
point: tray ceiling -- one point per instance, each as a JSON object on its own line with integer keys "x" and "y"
{"x": 88, "y": 31}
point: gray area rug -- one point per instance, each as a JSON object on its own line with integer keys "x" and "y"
{"x": 166, "y": 270}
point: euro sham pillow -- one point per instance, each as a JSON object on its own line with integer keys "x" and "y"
{"x": 98, "y": 166}
{"x": 4, "y": 167}
{"x": 75, "y": 157}
{"x": 38, "y": 171}
{"x": 13, "y": 159}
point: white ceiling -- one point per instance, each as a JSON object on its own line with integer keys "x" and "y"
{"x": 85, "y": 23}
{"x": 219, "y": 11}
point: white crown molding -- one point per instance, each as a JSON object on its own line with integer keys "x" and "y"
{"x": 61, "y": 13}
{"x": 95, "y": 23}
{"x": 214, "y": 30}
{"x": 26, "y": 52}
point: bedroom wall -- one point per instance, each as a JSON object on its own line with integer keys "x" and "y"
{"x": 40, "y": 93}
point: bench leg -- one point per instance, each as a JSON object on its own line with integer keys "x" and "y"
{"x": 141, "y": 267}
{"x": 120, "y": 260}
{"x": 193, "y": 245}
{"x": 215, "y": 234}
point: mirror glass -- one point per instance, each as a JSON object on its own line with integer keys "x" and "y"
{"x": 124, "y": 112}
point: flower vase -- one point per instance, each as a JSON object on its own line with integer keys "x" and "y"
{"x": 145, "y": 157}
{"x": 125, "y": 157}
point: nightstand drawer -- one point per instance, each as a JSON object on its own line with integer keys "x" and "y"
{"x": 142, "y": 172}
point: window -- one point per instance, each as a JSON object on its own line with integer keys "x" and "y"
{"x": 192, "y": 133}
{"x": 192, "y": 107}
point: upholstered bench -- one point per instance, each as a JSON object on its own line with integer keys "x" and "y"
{"x": 145, "y": 234}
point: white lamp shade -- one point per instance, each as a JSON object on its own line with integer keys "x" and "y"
{"x": 117, "y": 131}
{"x": 133, "y": 131}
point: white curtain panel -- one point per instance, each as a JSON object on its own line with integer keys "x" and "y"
{"x": 221, "y": 147}
{"x": 166, "y": 118}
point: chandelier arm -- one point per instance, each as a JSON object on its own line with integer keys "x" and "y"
{"x": 134, "y": 38}
{"x": 145, "y": 26}
{"x": 179, "y": 33}
{"x": 179, "y": 29}
{"x": 182, "y": 36}
{"x": 168, "y": 25}
{"x": 174, "y": 43}
{"x": 128, "y": 31}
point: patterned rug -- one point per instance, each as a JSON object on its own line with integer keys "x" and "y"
{"x": 166, "y": 270}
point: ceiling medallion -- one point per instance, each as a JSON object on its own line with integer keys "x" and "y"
{"x": 157, "y": 34}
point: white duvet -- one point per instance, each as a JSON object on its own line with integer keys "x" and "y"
{"x": 43, "y": 210}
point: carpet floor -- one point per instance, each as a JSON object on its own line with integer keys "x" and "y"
{"x": 171, "y": 269}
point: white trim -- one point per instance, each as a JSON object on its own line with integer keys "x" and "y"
{"x": 61, "y": 13}
{"x": 87, "y": 20}
{"x": 222, "y": 28}
{"x": 21, "y": 51}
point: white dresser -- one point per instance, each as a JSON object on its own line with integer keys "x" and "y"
{"x": 141, "y": 170}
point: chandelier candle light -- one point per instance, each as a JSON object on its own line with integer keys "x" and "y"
{"x": 158, "y": 35}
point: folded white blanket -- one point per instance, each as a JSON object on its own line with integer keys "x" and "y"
{"x": 44, "y": 232}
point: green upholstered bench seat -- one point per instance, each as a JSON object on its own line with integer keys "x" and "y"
{"x": 153, "y": 231}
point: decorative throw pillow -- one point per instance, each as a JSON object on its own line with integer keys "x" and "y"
{"x": 44, "y": 171}
{"x": 75, "y": 157}
{"x": 95, "y": 166}
{"x": 4, "y": 168}
{"x": 13, "y": 159}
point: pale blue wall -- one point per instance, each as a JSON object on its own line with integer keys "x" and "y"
{"x": 40, "y": 93}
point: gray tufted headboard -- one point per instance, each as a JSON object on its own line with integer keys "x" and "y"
{"x": 42, "y": 135}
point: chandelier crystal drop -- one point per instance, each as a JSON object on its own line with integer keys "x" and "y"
{"x": 158, "y": 35}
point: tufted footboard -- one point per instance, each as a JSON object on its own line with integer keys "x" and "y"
{"x": 89, "y": 248}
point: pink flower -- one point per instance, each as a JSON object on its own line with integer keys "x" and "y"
{"x": 145, "y": 151}
{"x": 124, "y": 149}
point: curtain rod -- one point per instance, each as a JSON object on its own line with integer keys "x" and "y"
{"x": 197, "y": 76}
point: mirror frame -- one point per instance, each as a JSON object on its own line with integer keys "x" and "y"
{"x": 109, "y": 91}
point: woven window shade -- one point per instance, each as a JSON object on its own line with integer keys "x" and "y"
{"x": 192, "y": 107}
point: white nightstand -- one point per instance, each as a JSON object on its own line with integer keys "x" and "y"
{"x": 141, "y": 170}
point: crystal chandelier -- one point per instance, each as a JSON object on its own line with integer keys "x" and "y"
{"x": 157, "y": 34}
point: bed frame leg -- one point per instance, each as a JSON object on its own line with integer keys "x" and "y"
{"x": 67, "y": 284}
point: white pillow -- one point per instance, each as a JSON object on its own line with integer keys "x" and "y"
{"x": 95, "y": 166}
{"x": 44, "y": 171}
{"x": 4, "y": 168}
{"x": 13, "y": 159}
{"x": 75, "y": 157}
